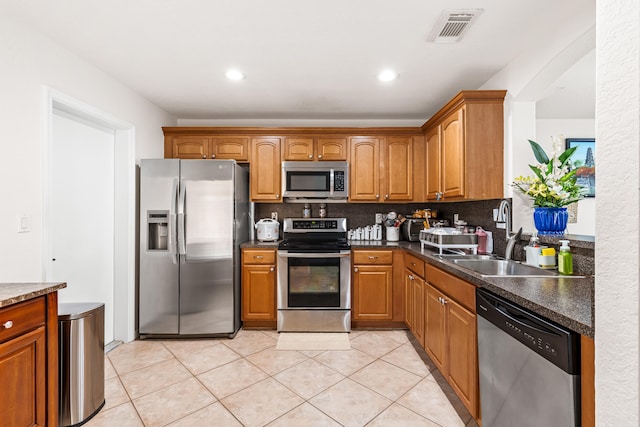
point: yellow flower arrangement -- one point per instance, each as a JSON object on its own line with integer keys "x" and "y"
{"x": 553, "y": 185}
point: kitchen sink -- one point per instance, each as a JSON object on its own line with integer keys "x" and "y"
{"x": 502, "y": 267}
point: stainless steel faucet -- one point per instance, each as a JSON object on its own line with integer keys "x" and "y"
{"x": 505, "y": 213}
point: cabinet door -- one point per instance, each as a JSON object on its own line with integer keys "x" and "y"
{"x": 364, "y": 174}
{"x": 453, "y": 154}
{"x": 435, "y": 327}
{"x": 372, "y": 292}
{"x": 432, "y": 162}
{"x": 408, "y": 298}
{"x": 190, "y": 147}
{"x": 229, "y": 147}
{"x": 462, "y": 354}
{"x": 265, "y": 169}
{"x": 398, "y": 171}
{"x": 258, "y": 292}
{"x": 23, "y": 377}
{"x": 331, "y": 149}
{"x": 418, "y": 309}
{"x": 298, "y": 149}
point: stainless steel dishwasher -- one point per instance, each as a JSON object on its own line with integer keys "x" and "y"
{"x": 529, "y": 367}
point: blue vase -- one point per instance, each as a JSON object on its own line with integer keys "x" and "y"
{"x": 550, "y": 221}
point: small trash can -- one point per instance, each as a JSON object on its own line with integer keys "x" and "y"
{"x": 81, "y": 376}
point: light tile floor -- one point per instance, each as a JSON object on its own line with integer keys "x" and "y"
{"x": 386, "y": 379}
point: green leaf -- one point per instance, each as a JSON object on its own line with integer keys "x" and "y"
{"x": 567, "y": 155}
{"x": 538, "y": 172}
{"x": 541, "y": 156}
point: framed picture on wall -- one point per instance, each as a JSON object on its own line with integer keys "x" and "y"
{"x": 584, "y": 160}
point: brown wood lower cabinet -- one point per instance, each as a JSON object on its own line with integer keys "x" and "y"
{"x": 450, "y": 337}
{"x": 29, "y": 363}
{"x": 372, "y": 285}
{"x": 259, "y": 287}
{"x": 414, "y": 285}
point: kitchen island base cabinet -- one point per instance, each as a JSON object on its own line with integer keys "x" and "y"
{"x": 29, "y": 363}
{"x": 451, "y": 333}
{"x": 259, "y": 288}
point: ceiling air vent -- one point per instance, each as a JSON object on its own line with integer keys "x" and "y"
{"x": 452, "y": 25}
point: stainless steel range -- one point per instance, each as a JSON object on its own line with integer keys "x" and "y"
{"x": 314, "y": 276}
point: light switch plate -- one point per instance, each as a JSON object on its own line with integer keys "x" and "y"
{"x": 24, "y": 224}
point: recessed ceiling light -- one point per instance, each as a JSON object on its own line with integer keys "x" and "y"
{"x": 235, "y": 75}
{"x": 387, "y": 75}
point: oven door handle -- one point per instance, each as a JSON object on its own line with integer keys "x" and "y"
{"x": 341, "y": 254}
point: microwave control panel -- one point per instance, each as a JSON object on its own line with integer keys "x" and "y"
{"x": 338, "y": 181}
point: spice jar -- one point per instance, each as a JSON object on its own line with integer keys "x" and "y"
{"x": 323, "y": 210}
{"x": 306, "y": 212}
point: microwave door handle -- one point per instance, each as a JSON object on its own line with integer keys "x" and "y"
{"x": 331, "y": 181}
{"x": 182, "y": 250}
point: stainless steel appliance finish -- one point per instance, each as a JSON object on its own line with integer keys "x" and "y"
{"x": 410, "y": 229}
{"x": 193, "y": 216}
{"x": 529, "y": 367}
{"x": 81, "y": 362}
{"x": 314, "y": 276}
{"x": 315, "y": 181}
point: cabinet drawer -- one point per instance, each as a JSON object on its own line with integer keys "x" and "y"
{"x": 372, "y": 257}
{"x": 258, "y": 256}
{"x": 22, "y": 317}
{"x": 458, "y": 289}
{"x": 414, "y": 264}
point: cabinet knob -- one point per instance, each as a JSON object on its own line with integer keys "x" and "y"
{"x": 213, "y": 156}
{"x": 413, "y": 264}
{"x": 411, "y": 277}
{"x": 319, "y": 156}
{"x": 311, "y": 156}
{"x": 355, "y": 269}
{"x": 386, "y": 197}
{"x": 277, "y": 196}
{"x": 272, "y": 269}
{"x": 373, "y": 257}
{"x": 8, "y": 324}
{"x": 377, "y": 196}
{"x": 258, "y": 256}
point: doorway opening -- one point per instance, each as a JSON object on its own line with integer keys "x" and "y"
{"x": 89, "y": 232}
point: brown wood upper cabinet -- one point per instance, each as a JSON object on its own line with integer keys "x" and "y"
{"x": 464, "y": 148}
{"x": 209, "y": 147}
{"x": 266, "y": 174}
{"x": 320, "y": 148}
{"x": 381, "y": 169}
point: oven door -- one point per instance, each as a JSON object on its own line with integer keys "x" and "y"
{"x": 314, "y": 281}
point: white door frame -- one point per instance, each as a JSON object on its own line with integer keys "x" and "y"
{"x": 124, "y": 202}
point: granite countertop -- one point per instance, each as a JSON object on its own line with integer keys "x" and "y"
{"x": 12, "y": 293}
{"x": 568, "y": 301}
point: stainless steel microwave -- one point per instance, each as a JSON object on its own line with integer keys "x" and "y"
{"x": 315, "y": 181}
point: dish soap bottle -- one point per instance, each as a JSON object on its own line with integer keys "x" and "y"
{"x": 565, "y": 259}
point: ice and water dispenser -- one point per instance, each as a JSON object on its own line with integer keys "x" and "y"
{"x": 158, "y": 232}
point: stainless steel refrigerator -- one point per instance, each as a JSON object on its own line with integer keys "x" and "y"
{"x": 193, "y": 216}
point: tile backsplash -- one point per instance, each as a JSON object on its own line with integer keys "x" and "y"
{"x": 476, "y": 213}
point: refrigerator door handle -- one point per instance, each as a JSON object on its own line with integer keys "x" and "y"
{"x": 172, "y": 221}
{"x": 182, "y": 250}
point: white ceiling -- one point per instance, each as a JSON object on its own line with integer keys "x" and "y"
{"x": 303, "y": 59}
